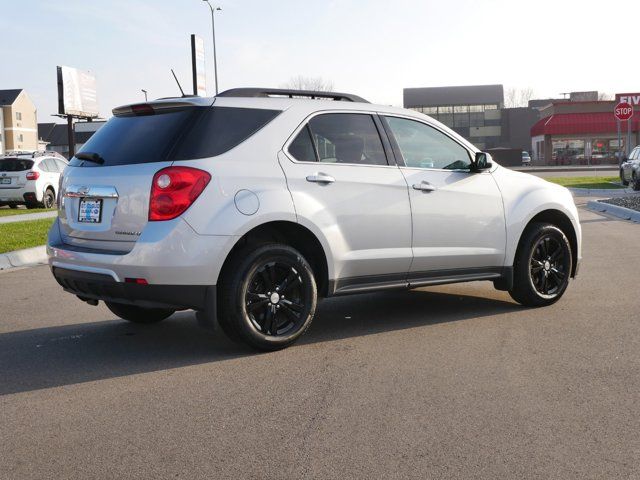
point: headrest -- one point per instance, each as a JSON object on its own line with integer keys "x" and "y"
{"x": 349, "y": 149}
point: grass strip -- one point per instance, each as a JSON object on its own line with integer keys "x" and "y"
{"x": 6, "y": 212}
{"x": 587, "y": 182}
{"x": 19, "y": 235}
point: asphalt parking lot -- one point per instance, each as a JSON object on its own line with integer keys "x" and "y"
{"x": 446, "y": 382}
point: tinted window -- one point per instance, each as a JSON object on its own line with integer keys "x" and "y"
{"x": 302, "y": 147}
{"x": 219, "y": 129}
{"x": 425, "y": 147}
{"x": 347, "y": 138}
{"x": 196, "y": 132}
{"x": 15, "y": 164}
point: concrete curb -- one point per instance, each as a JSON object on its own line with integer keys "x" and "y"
{"x": 28, "y": 216}
{"x": 23, "y": 258}
{"x": 602, "y": 192}
{"x": 615, "y": 210}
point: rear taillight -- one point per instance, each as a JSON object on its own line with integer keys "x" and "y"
{"x": 33, "y": 175}
{"x": 173, "y": 190}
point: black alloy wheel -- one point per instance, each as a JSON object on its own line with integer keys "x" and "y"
{"x": 542, "y": 266}
{"x": 549, "y": 266}
{"x": 268, "y": 296}
{"x": 275, "y": 300}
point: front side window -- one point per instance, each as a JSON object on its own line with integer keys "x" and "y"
{"x": 423, "y": 146}
{"x": 351, "y": 138}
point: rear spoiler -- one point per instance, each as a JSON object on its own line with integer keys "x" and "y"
{"x": 161, "y": 106}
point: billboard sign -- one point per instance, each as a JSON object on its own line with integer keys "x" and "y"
{"x": 77, "y": 94}
{"x": 198, "y": 66}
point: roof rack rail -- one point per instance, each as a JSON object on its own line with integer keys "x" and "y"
{"x": 282, "y": 92}
{"x": 33, "y": 154}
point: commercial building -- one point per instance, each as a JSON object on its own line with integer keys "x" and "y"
{"x": 477, "y": 113}
{"x": 18, "y": 121}
{"x": 472, "y": 111}
{"x": 582, "y": 133}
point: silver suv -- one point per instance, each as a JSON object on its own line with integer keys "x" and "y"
{"x": 250, "y": 206}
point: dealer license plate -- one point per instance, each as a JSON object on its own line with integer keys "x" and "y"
{"x": 90, "y": 210}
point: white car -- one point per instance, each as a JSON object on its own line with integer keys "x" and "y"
{"x": 30, "y": 178}
{"x": 250, "y": 206}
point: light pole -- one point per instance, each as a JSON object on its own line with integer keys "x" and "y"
{"x": 145, "y": 93}
{"x": 213, "y": 34}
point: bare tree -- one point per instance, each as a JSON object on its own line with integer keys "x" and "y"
{"x": 317, "y": 84}
{"x": 518, "y": 97}
{"x": 604, "y": 96}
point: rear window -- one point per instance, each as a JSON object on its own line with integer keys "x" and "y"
{"x": 197, "y": 132}
{"x": 15, "y": 164}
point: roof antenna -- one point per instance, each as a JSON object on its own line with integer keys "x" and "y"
{"x": 174, "y": 76}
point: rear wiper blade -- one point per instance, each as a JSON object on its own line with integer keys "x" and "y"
{"x": 91, "y": 157}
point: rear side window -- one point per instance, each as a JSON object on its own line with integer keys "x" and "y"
{"x": 340, "y": 138}
{"x": 191, "y": 133}
{"x": 15, "y": 164}
{"x": 347, "y": 138}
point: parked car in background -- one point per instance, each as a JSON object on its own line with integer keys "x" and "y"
{"x": 30, "y": 178}
{"x": 526, "y": 159}
{"x": 630, "y": 169}
{"x": 251, "y": 206}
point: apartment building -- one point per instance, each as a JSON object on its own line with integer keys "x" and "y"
{"x": 18, "y": 121}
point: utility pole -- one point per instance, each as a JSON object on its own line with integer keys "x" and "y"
{"x": 213, "y": 35}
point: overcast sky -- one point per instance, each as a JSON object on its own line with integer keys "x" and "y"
{"x": 372, "y": 48}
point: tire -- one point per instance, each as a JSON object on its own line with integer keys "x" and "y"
{"x": 48, "y": 199}
{"x": 13, "y": 206}
{"x": 622, "y": 180}
{"x": 135, "y": 314}
{"x": 542, "y": 266}
{"x": 253, "y": 305}
{"x": 31, "y": 206}
{"x": 635, "y": 182}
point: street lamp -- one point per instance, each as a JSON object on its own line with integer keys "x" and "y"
{"x": 213, "y": 34}
{"x": 145, "y": 93}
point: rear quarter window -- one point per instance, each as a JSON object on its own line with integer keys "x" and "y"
{"x": 220, "y": 129}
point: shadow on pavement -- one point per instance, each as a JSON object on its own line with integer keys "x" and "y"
{"x": 64, "y": 355}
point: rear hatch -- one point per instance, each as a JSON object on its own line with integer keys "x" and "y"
{"x": 106, "y": 188}
{"x": 13, "y": 172}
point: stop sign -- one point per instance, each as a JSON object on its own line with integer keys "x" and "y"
{"x": 623, "y": 111}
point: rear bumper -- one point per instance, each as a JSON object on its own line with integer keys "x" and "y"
{"x": 98, "y": 286}
{"x": 166, "y": 254}
{"x": 18, "y": 195}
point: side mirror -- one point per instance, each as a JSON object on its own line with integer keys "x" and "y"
{"x": 482, "y": 162}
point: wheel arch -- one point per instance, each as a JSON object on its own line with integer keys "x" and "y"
{"x": 563, "y": 222}
{"x": 289, "y": 233}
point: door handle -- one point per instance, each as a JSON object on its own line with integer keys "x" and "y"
{"x": 424, "y": 186}
{"x": 320, "y": 178}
